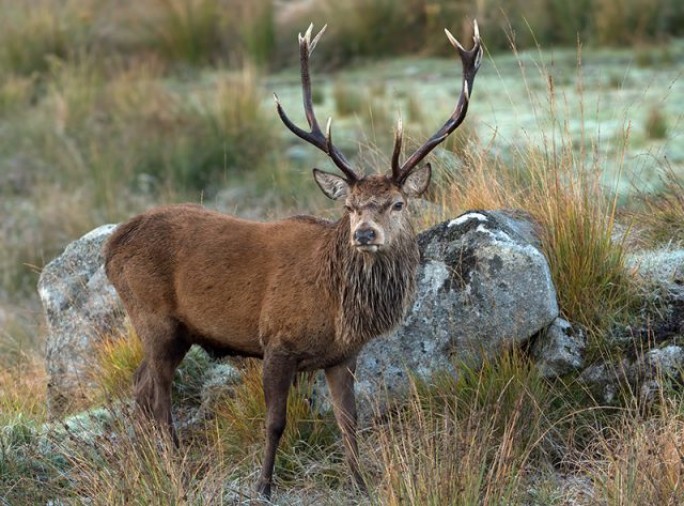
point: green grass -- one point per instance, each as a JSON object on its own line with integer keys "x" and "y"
{"x": 656, "y": 124}
{"x": 349, "y": 100}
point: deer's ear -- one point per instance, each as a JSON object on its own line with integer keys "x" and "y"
{"x": 334, "y": 186}
{"x": 417, "y": 181}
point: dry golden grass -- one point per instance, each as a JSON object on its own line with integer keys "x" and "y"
{"x": 23, "y": 391}
{"x": 310, "y": 442}
{"x": 117, "y": 359}
{"x": 559, "y": 181}
{"x": 639, "y": 460}
{"x": 471, "y": 441}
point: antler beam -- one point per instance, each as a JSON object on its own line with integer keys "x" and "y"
{"x": 315, "y": 136}
{"x": 471, "y": 60}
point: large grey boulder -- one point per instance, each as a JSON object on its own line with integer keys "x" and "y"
{"x": 483, "y": 287}
{"x": 81, "y": 309}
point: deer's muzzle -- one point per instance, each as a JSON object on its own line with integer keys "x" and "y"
{"x": 364, "y": 236}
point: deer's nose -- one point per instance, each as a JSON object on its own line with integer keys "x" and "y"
{"x": 364, "y": 235}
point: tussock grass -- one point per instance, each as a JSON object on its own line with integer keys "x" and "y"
{"x": 117, "y": 359}
{"x": 98, "y": 147}
{"x": 490, "y": 436}
{"x": 469, "y": 441}
{"x": 436, "y": 459}
{"x": 634, "y": 21}
{"x": 188, "y": 31}
{"x": 218, "y": 32}
{"x": 133, "y": 462}
{"x": 201, "y": 32}
{"x": 559, "y": 182}
{"x": 33, "y": 33}
{"x": 178, "y": 139}
{"x": 119, "y": 356}
{"x": 355, "y": 34}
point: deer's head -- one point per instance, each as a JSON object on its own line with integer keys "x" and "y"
{"x": 376, "y": 204}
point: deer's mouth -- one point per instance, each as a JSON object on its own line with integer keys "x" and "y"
{"x": 367, "y": 248}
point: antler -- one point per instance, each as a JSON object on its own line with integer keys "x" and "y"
{"x": 316, "y": 136}
{"x": 471, "y": 63}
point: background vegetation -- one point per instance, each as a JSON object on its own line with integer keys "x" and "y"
{"x": 108, "y": 108}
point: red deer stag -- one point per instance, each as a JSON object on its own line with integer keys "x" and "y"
{"x": 302, "y": 293}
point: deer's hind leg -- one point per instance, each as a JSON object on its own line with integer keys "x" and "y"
{"x": 164, "y": 346}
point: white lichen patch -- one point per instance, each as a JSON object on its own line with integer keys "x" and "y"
{"x": 434, "y": 276}
{"x": 468, "y": 216}
{"x": 499, "y": 235}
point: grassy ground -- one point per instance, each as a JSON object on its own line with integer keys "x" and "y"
{"x": 589, "y": 144}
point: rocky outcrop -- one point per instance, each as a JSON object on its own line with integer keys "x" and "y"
{"x": 652, "y": 357}
{"x": 81, "y": 308}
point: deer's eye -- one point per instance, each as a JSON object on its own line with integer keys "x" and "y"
{"x": 398, "y": 206}
{"x": 349, "y": 209}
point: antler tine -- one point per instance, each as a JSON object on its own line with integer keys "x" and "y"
{"x": 315, "y": 136}
{"x": 471, "y": 60}
{"x": 398, "y": 140}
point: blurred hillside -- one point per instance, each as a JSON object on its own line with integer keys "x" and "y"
{"x": 175, "y": 33}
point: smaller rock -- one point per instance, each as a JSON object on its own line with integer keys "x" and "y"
{"x": 559, "y": 349}
{"x": 666, "y": 362}
{"x": 662, "y": 268}
{"x": 647, "y": 374}
{"x": 604, "y": 379}
{"x": 220, "y": 381}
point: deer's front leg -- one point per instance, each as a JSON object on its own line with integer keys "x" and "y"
{"x": 279, "y": 371}
{"x": 340, "y": 380}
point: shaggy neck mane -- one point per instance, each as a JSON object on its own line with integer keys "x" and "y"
{"x": 374, "y": 289}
